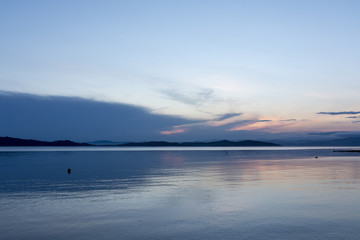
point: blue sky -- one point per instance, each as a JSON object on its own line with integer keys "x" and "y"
{"x": 231, "y": 68}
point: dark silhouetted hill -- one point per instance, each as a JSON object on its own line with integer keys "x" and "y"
{"x": 222, "y": 143}
{"x": 105, "y": 143}
{"x": 9, "y": 142}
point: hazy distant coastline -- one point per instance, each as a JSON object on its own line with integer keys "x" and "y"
{"x": 344, "y": 142}
{"x": 9, "y": 141}
{"x": 18, "y": 142}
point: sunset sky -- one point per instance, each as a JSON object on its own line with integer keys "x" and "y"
{"x": 189, "y": 69}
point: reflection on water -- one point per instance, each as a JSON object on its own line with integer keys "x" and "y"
{"x": 252, "y": 194}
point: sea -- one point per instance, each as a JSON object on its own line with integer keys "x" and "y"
{"x": 179, "y": 193}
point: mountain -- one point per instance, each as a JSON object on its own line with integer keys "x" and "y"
{"x": 105, "y": 143}
{"x": 222, "y": 143}
{"x": 347, "y": 141}
{"x": 9, "y": 141}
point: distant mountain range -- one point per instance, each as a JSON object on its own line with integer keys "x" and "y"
{"x": 222, "y": 143}
{"x": 9, "y": 141}
{"x": 348, "y": 141}
{"x": 105, "y": 143}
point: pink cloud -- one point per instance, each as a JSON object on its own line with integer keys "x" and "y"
{"x": 174, "y": 131}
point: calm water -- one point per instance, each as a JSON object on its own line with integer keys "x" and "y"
{"x": 187, "y": 193}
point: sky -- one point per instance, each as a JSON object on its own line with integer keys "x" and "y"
{"x": 198, "y": 69}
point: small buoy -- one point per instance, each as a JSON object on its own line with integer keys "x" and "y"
{"x": 69, "y": 170}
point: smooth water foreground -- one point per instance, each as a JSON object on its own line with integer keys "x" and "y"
{"x": 179, "y": 194}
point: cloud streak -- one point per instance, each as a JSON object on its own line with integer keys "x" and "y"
{"x": 174, "y": 131}
{"x": 227, "y": 116}
{"x": 323, "y": 133}
{"x": 226, "y": 119}
{"x": 264, "y": 125}
{"x": 340, "y": 113}
{"x": 191, "y": 98}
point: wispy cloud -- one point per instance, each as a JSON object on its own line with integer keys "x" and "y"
{"x": 323, "y": 133}
{"x": 232, "y": 122}
{"x": 266, "y": 125}
{"x": 225, "y": 119}
{"x": 353, "y": 117}
{"x": 228, "y": 115}
{"x": 340, "y": 113}
{"x": 192, "y": 98}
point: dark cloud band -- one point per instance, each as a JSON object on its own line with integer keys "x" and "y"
{"x": 78, "y": 119}
{"x": 339, "y": 113}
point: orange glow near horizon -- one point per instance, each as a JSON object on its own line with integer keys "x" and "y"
{"x": 270, "y": 124}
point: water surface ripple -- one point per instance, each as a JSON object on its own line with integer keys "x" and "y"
{"x": 179, "y": 194}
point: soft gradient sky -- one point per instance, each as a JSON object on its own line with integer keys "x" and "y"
{"x": 271, "y": 66}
